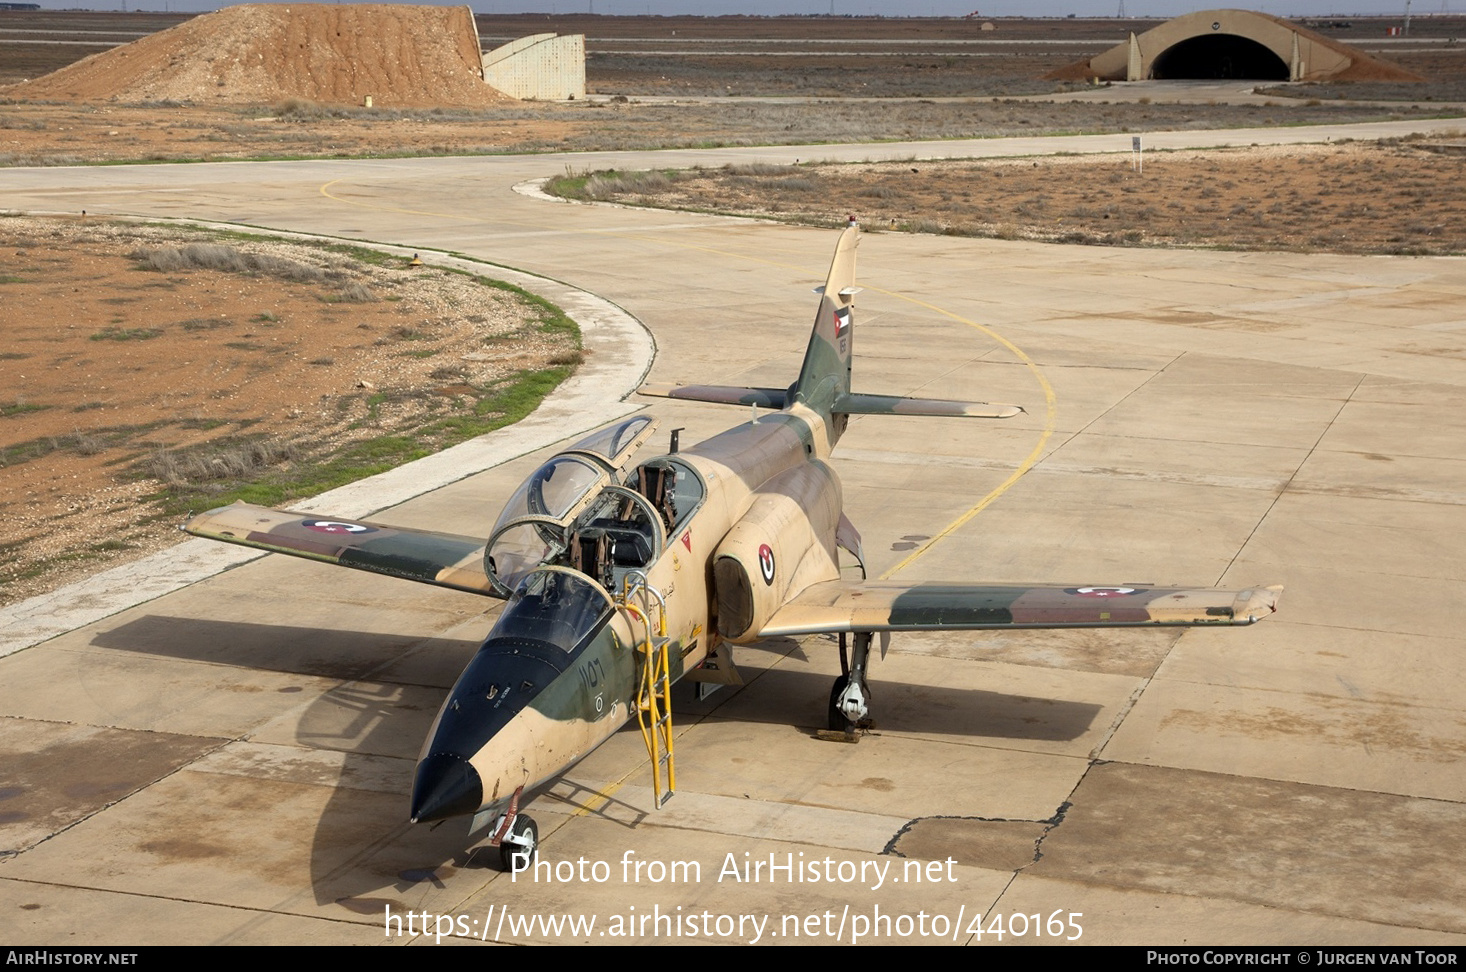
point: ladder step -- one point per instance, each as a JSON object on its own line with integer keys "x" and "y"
{"x": 654, "y": 713}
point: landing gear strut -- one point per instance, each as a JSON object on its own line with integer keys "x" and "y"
{"x": 850, "y": 696}
{"x": 516, "y": 836}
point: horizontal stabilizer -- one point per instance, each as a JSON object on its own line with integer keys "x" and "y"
{"x": 773, "y": 398}
{"x": 852, "y": 403}
{"x": 835, "y": 606}
{"x": 441, "y": 559}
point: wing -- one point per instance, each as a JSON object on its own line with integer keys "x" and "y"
{"x": 443, "y": 559}
{"x": 835, "y": 606}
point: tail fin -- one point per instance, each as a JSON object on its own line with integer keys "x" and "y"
{"x": 824, "y": 379}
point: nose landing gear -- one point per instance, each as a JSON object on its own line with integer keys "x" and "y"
{"x": 517, "y": 848}
{"x": 516, "y": 836}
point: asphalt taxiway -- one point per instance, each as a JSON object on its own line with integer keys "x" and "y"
{"x": 229, "y": 762}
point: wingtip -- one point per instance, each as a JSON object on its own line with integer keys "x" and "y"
{"x": 1257, "y": 603}
{"x": 993, "y": 410}
{"x": 997, "y": 410}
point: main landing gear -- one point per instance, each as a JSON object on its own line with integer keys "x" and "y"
{"x": 850, "y": 696}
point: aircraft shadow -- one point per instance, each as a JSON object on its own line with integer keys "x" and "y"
{"x": 365, "y": 854}
{"x": 274, "y": 647}
{"x": 801, "y": 699}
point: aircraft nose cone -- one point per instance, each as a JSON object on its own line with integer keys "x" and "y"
{"x": 447, "y": 785}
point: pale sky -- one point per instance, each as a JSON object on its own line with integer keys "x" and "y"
{"x": 889, "y": 8}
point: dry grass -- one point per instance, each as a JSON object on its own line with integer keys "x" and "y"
{"x": 218, "y": 461}
{"x": 226, "y": 259}
{"x": 356, "y": 293}
{"x": 1389, "y": 197}
{"x": 69, "y": 134}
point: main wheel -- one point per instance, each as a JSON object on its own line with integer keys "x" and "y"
{"x": 513, "y": 856}
{"x": 836, "y": 720}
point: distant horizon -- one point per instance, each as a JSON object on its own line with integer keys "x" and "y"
{"x": 940, "y": 9}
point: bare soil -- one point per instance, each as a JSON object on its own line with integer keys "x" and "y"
{"x": 1397, "y": 197}
{"x": 884, "y": 70}
{"x": 121, "y": 381}
{"x": 56, "y": 134}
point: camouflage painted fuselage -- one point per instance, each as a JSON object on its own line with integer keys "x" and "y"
{"x": 550, "y": 683}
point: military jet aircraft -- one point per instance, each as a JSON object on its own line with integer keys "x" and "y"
{"x": 621, "y": 580}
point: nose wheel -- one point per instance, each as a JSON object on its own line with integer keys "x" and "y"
{"x": 519, "y": 844}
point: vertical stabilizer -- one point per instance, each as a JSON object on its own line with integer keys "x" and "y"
{"x": 825, "y": 377}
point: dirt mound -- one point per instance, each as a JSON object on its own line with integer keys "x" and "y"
{"x": 399, "y": 56}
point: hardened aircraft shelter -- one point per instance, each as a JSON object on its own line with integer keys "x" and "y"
{"x": 1217, "y": 44}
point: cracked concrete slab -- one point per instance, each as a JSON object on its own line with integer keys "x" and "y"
{"x": 1319, "y": 850}
{"x": 1001, "y": 845}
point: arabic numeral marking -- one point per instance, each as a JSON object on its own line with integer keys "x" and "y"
{"x": 592, "y": 674}
{"x": 975, "y": 926}
{"x": 995, "y": 927}
{"x": 1013, "y": 925}
{"x": 598, "y": 703}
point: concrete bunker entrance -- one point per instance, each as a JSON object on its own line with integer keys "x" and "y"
{"x": 1218, "y": 56}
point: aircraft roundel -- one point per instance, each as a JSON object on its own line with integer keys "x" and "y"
{"x": 766, "y": 562}
{"x": 1103, "y": 591}
{"x": 335, "y": 526}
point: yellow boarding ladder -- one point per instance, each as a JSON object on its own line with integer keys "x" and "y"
{"x": 654, "y": 692}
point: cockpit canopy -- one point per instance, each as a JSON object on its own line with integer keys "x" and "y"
{"x": 574, "y": 512}
{"x": 554, "y": 491}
